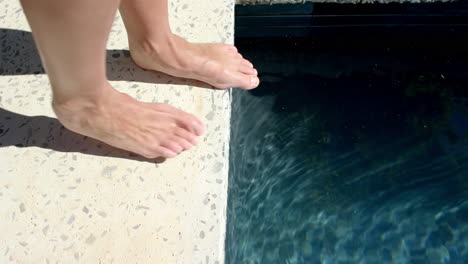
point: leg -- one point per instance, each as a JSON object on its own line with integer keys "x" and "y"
{"x": 154, "y": 47}
{"x": 71, "y": 38}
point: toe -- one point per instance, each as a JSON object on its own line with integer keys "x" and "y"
{"x": 166, "y": 153}
{"x": 186, "y": 135}
{"x": 245, "y": 81}
{"x": 186, "y": 145}
{"x": 247, "y": 63}
{"x": 254, "y": 82}
{"x": 231, "y": 47}
{"x": 183, "y": 119}
{"x": 190, "y": 123}
{"x": 172, "y": 145}
{"x": 247, "y": 70}
{"x": 156, "y": 151}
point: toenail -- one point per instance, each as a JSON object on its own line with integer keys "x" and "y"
{"x": 253, "y": 80}
{"x": 255, "y": 72}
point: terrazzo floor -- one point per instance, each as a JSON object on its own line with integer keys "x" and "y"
{"x": 65, "y": 198}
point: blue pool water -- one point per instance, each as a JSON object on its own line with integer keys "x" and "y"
{"x": 351, "y": 151}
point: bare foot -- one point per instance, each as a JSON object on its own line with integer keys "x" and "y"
{"x": 150, "y": 130}
{"x": 217, "y": 64}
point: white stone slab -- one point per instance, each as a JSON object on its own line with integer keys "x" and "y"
{"x": 68, "y": 199}
{"x": 257, "y": 2}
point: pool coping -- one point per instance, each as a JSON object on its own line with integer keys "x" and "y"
{"x": 68, "y": 198}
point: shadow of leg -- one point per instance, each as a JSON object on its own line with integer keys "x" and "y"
{"x": 20, "y": 57}
{"x": 45, "y": 132}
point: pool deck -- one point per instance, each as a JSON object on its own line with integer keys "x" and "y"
{"x": 65, "y": 198}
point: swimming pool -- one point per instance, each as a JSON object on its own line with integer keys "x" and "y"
{"x": 352, "y": 150}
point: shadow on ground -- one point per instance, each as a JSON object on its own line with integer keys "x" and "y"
{"x": 19, "y": 56}
{"x": 45, "y": 132}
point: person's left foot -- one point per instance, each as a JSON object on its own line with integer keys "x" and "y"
{"x": 217, "y": 64}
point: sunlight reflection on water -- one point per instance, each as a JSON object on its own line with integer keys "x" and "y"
{"x": 334, "y": 176}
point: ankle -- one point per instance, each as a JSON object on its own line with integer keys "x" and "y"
{"x": 167, "y": 49}
{"x": 70, "y": 103}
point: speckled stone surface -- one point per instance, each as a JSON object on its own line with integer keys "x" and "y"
{"x": 255, "y": 2}
{"x": 65, "y": 198}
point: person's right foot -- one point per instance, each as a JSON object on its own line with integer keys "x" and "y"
{"x": 148, "y": 129}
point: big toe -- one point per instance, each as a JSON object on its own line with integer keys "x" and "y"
{"x": 246, "y": 81}
{"x": 248, "y": 70}
{"x": 254, "y": 81}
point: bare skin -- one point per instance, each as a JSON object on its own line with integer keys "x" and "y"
{"x": 153, "y": 46}
{"x": 71, "y": 38}
{"x": 217, "y": 64}
{"x": 159, "y": 130}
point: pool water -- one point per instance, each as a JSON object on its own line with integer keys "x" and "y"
{"x": 352, "y": 150}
